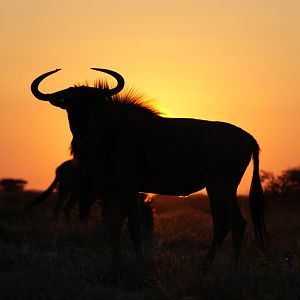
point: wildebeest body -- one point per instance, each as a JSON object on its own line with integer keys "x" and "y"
{"x": 164, "y": 155}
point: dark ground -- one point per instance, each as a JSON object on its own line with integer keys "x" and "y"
{"x": 43, "y": 258}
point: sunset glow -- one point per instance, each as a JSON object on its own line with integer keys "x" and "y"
{"x": 230, "y": 61}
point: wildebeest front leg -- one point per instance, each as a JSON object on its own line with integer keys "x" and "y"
{"x": 133, "y": 204}
{"x": 115, "y": 211}
{"x": 86, "y": 197}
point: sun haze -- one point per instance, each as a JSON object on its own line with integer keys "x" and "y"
{"x": 231, "y": 61}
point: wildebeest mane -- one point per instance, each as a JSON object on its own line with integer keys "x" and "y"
{"x": 129, "y": 96}
{"x": 129, "y": 99}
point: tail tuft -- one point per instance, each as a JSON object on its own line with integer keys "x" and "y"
{"x": 257, "y": 200}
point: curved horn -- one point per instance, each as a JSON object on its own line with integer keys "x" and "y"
{"x": 119, "y": 79}
{"x": 35, "y": 86}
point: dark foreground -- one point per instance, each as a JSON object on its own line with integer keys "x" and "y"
{"x": 43, "y": 258}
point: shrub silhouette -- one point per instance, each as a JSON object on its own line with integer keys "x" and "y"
{"x": 12, "y": 185}
{"x": 286, "y": 185}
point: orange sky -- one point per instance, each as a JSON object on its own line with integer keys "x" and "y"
{"x": 234, "y": 61}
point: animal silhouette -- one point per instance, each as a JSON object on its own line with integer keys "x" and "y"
{"x": 124, "y": 146}
{"x": 65, "y": 181}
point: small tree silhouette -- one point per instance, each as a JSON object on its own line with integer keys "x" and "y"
{"x": 12, "y": 185}
{"x": 285, "y": 185}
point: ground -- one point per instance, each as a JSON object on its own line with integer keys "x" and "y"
{"x": 44, "y": 258}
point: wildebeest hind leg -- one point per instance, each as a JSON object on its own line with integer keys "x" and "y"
{"x": 219, "y": 211}
{"x": 238, "y": 226}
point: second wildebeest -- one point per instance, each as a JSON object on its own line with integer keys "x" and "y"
{"x": 67, "y": 183}
{"x": 125, "y": 147}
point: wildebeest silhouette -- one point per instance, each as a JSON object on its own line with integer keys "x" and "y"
{"x": 66, "y": 182}
{"x": 124, "y": 147}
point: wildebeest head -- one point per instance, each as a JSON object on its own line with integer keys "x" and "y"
{"x": 78, "y": 101}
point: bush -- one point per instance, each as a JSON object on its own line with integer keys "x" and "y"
{"x": 286, "y": 185}
{"x": 12, "y": 185}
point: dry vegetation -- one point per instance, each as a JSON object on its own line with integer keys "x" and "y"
{"x": 41, "y": 258}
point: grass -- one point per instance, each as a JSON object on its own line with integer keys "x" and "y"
{"x": 43, "y": 258}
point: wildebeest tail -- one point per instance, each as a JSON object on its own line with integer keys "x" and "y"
{"x": 257, "y": 200}
{"x": 44, "y": 195}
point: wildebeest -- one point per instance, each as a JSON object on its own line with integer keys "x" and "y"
{"x": 125, "y": 147}
{"x": 66, "y": 182}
